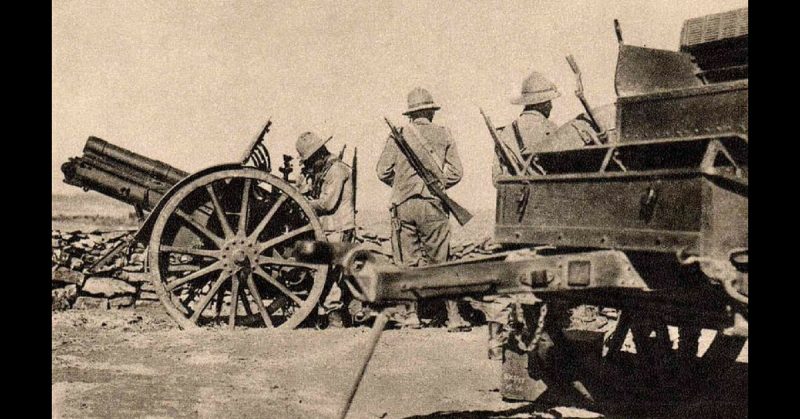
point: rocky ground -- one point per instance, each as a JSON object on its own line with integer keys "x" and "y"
{"x": 116, "y": 353}
{"x": 134, "y": 362}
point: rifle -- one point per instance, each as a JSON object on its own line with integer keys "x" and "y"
{"x": 602, "y": 135}
{"x": 433, "y": 183}
{"x": 341, "y": 152}
{"x": 507, "y": 156}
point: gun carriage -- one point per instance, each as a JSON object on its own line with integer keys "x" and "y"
{"x": 217, "y": 240}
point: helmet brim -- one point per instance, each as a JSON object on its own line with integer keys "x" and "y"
{"x": 535, "y": 98}
{"x": 314, "y": 149}
{"x": 431, "y": 106}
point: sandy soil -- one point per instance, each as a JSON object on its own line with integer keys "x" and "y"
{"x": 136, "y": 363}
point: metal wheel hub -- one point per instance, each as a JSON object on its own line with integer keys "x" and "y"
{"x": 240, "y": 253}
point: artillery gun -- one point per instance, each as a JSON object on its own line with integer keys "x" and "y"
{"x": 651, "y": 222}
{"x": 217, "y": 240}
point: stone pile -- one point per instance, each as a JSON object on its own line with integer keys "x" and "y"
{"x": 468, "y": 249}
{"x": 120, "y": 282}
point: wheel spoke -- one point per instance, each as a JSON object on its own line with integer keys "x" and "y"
{"x": 271, "y": 213}
{"x": 278, "y": 303}
{"x": 207, "y": 298}
{"x": 277, "y": 284}
{"x": 245, "y": 303}
{"x": 211, "y": 253}
{"x": 234, "y": 301}
{"x": 218, "y": 300}
{"x": 266, "y": 260}
{"x": 283, "y": 237}
{"x": 223, "y": 221}
{"x": 194, "y": 275}
{"x": 201, "y": 228}
{"x": 251, "y": 285}
{"x": 183, "y": 268}
{"x": 243, "y": 214}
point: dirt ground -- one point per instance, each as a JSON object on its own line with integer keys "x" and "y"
{"x": 136, "y": 363}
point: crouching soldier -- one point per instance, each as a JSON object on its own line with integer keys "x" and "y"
{"x": 328, "y": 183}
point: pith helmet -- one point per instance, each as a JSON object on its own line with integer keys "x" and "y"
{"x": 536, "y": 89}
{"x": 308, "y": 143}
{"x": 419, "y": 99}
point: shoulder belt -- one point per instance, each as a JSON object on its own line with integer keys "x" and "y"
{"x": 518, "y": 136}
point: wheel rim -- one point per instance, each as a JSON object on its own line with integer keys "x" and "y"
{"x": 211, "y": 264}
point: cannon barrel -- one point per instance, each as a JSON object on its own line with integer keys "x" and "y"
{"x": 135, "y": 161}
{"x": 121, "y": 174}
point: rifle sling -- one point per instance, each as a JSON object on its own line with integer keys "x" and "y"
{"x": 429, "y": 160}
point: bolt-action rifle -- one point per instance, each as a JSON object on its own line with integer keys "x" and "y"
{"x": 433, "y": 183}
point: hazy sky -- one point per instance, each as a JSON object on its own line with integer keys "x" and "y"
{"x": 192, "y": 82}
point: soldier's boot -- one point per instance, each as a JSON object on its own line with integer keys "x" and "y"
{"x": 455, "y": 323}
{"x": 409, "y": 318}
{"x": 495, "y": 341}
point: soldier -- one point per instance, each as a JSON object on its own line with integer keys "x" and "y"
{"x": 328, "y": 182}
{"x": 532, "y": 131}
{"x": 421, "y": 229}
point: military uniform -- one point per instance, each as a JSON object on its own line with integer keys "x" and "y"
{"x": 332, "y": 198}
{"x": 420, "y": 224}
{"x": 331, "y": 192}
{"x": 532, "y": 132}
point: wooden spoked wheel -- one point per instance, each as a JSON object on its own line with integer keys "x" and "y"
{"x": 220, "y": 252}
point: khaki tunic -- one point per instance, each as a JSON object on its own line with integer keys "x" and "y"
{"x": 538, "y": 134}
{"x": 334, "y": 205}
{"x": 394, "y": 170}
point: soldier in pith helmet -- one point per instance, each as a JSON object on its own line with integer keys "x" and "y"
{"x": 328, "y": 183}
{"x": 420, "y": 224}
{"x": 532, "y": 131}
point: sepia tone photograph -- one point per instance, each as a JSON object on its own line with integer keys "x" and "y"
{"x": 356, "y": 209}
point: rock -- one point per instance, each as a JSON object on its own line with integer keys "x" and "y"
{"x": 574, "y": 412}
{"x": 85, "y": 303}
{"x": 137, "y": 258}
{"x": 71, "y": 291}
{"x": 114, "y": 236}
{"x": 107, "y": 270}
{"x": 56, "y": 242}
{"x": 75, "y": 264}
{"x": 133, "y": 267}
{"x": 147, "y": 286}
{"x": 469, "y": 248}
{"x": 119, "y": 302}
{"x": 141, "y": 302}
{"x": 137, "y": 278}
{"x": 60, "y": 300}
{"x": 148, "y": 296}
{"x": 107, "y": 287}
{"x": 66, "y": 275}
